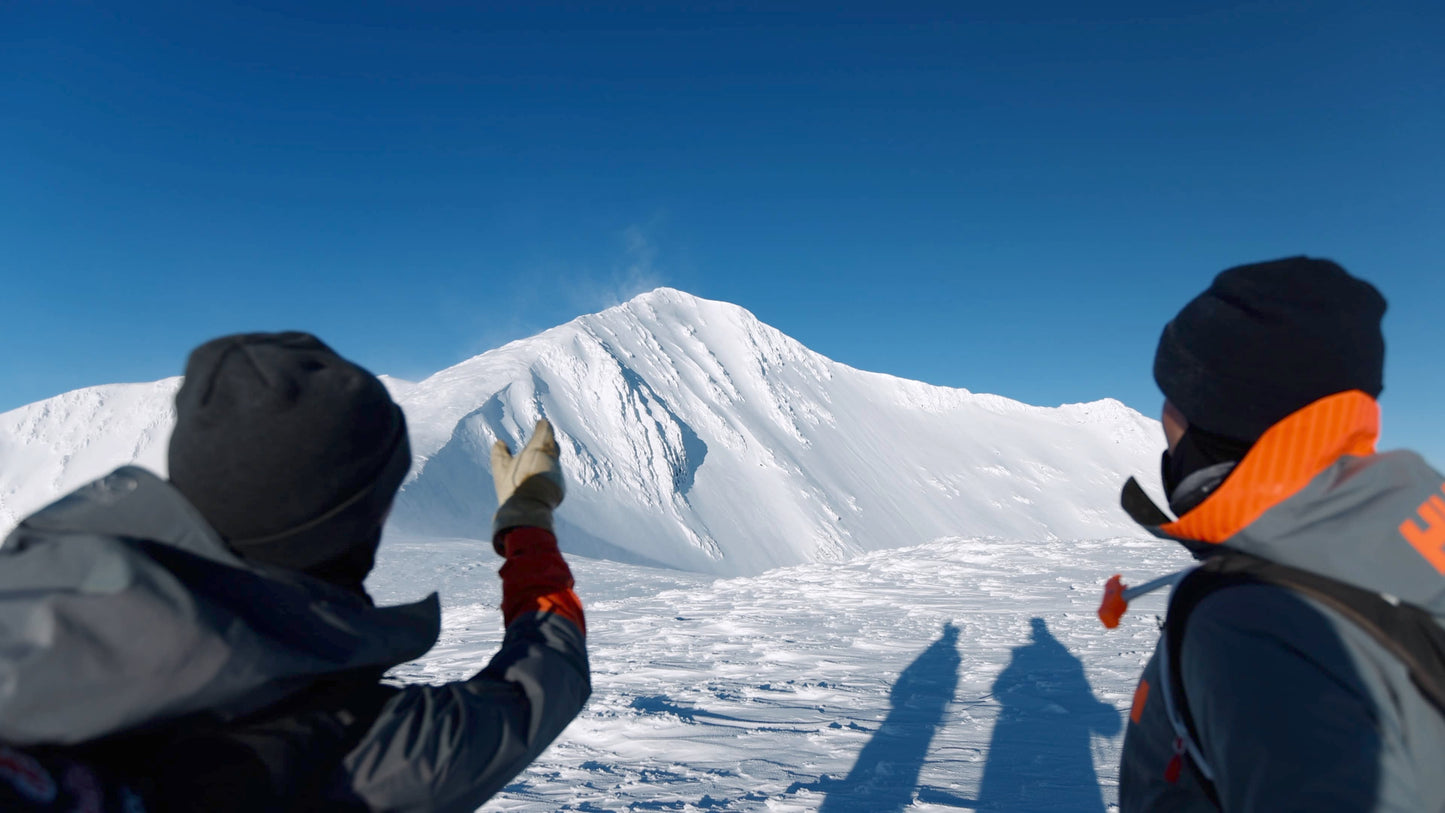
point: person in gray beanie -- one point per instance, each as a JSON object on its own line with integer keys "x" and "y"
{"x": 207, "y": 642}
{"x": 1283, "y": 680}
{"x": 292, "y": 453}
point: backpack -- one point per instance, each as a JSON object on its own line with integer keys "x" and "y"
{"x": 1407, "y": 631}
{"x": 283, "y": 758}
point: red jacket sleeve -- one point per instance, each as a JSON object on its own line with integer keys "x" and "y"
{"x": 535, "y": 578}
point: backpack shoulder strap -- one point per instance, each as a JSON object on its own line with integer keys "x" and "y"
{"x": 1406, "y": 631}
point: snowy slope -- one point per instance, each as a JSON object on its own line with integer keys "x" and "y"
{"x": 52, "y": 446}
{"x": 959, "y": 674}
{"x": 693, "y": 437}
{"x": 696, "y": 437}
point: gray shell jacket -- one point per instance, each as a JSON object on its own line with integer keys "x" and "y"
{"x": 1297, "y": 708}
{"x": 120, "y": 609}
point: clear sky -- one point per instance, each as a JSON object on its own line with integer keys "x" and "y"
{"x": 1011, "y": 197}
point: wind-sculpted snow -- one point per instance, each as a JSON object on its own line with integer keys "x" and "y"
{"x": 958, "y": 674}
{"x": 693, "y": 436}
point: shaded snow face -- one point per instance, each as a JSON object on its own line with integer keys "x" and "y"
{"x": 693, "y": 437}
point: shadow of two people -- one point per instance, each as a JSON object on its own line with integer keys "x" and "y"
{"x": 1040, "y": 755}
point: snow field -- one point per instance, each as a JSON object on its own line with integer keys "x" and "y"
{"x": 873, "y": 685}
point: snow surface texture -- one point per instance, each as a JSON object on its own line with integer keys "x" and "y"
{"x": 959, "y": 674}
{"x": 693, "y": 436}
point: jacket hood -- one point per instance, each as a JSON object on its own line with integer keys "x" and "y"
{"x": 121, "y": 608}
{"x": 1313, "y": 494}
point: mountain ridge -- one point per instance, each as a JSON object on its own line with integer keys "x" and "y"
{"x": 693, "y": 435}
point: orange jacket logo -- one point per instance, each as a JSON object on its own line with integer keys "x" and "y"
{"x": 1428, "y": 539}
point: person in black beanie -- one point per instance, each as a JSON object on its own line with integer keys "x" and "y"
{"x": 1274, "y": 700}
{"x": 207, "y": 644}
{"x": 1261, "y": 342}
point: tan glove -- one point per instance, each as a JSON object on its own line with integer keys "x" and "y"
{"x": 529, "y": 485}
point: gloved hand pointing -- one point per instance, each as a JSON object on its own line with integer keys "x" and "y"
{"x": 529, "y": 485}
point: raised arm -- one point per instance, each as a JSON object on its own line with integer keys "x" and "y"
{"x": 449, "y": 748}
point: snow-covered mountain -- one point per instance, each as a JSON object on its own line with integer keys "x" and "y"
{"x": 693, "y": 436}
{"x": 49, "y": 447}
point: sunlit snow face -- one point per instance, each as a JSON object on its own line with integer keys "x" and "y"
{"x": 1174, "y": 424}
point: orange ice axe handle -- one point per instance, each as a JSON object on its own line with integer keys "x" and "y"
{"x": 1117, "y": 595}
{"x": 1112, "y": 608}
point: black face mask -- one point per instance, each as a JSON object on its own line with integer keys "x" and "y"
{"x": 1195, "y": 451}
{"x": 351, "y": 568}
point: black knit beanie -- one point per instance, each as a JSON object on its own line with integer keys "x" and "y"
{"x": 291, "y": 452}
{"x": 1268, "y": 339}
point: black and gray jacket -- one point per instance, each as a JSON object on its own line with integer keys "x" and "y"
{"x": 121, "y": 611}
{"x": 1296, "y": 707}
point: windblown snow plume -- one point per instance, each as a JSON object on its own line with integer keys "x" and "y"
{"x": 693, "y": 437}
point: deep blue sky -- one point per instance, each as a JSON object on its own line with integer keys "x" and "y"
{"x": 1009, "y": 197}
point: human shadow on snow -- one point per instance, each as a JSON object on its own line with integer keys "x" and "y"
{"x": 1040, "y": 756}
{"x": 886, "y": 773}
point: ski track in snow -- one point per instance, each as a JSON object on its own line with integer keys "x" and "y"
{"x": 874, "y": 685}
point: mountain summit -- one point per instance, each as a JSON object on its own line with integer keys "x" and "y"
{"x": 693, "y": 436}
